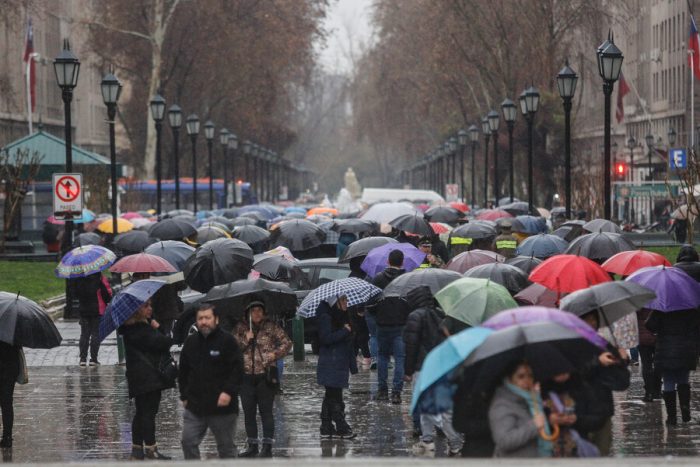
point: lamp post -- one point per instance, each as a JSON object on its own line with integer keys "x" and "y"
{"x": 462, "y": 137}
{"x": 609, "y": 67}
{"x": 192, "y": 124}
{"x": 111, "y": 89}
{"x": 233, "y": 146}
{"x": 566, "y": 82}
{"x": 224, "y": 135}
{"x": 453, "y": 155}
{"x": 494, "y": 121}
{"x": 671, "y": 138}
{"x": 486, "y": 130}
{"x": 246, "y": 147}
{"x": 529, "y": 103}
{"x": 509, "y": 112}
{"x": 474, "y": 137}
{"x": 175, "y": 120}
{"x": 209, "y": 135}
{"x": 157, "y": 105}
{"x": 649, "y": 139}
{"x": 257, "y": 172}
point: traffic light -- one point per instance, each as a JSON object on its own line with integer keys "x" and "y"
{"x": 620, "y": 171}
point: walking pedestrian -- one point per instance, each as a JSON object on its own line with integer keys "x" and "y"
{"x": 336, "y": 361}
{"x": 146, "y": 350}
{"x": 167, "y": 307}
{"x": 432, "y": 260}
{"x": 9, "y": 371}
{"x": 86, "y": 290}
{"x": 647, "y": 348}
{"x": 262, "y": 342}
{"x": 211, "y": 370}
{"x": 687, "y": 260}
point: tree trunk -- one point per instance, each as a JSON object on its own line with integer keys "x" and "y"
{"x": 158, "y": 37}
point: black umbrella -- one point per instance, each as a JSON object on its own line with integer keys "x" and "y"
{"x": 412, "y": 223}
{"x": 220, "y": 220}
{"x": 525, "y": 263}
{"x": 510, "y": 277}
{"x": 434, "y": 278}
{"x": 363, "y": 246}
{"x": 179, "y": 212}
{"x": 355, "y": 226}
{"x": 569, "y": 232}
{"x": 172, "y": 229}
{"x": 230, "y": 213}
{"x": 174, "y": 252}
{"x": 187, "y": 218}
{"x": 516, "y": 208}
{"x": 599, "y": 246}
{"x": 251, "y": 234}
{"x": 218, "y": 225}
{"x": 612, "y": 300}
{"x": 208, "y": 233}
{"x": 297, "y": 235}
{"x": 134, "y": 241}
{"x": 255, "y": 215}
{"x": 233, "y": 298}
{"x": 24, "y": 323}
{"x": 602, "y": 225}
{"x": 87, "y": 238}
{"x": 279, "y": 268}
{"x": 218, "y": 262}
{"x": 475, "y": 230}
{"x": 241, "y": 221}
{"x": 445, "y": 214}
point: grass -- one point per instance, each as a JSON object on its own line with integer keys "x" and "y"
{"x": 670, "y": 252}
{"x": 34, "y": 280}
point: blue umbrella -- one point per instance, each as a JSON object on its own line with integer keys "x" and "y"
{"x": 83, "y": 261}
{"x": 376, "y": 260}
{"x": 87, "y": 216}
{"x": 356, "y": 290}
{"x": 542, "y": 246}
{"x": 675, "y": 290}
{"x": 431, "y": 392}
{"x": 291, "y": 209}
{"x": 125, "y": 304}
{"x": 529, "y": 225}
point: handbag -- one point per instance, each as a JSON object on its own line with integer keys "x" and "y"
{"x": 168, "y": 370}
{"x": 23, "y": 375}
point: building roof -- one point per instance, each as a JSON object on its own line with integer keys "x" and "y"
{"x": 53, "y": 150}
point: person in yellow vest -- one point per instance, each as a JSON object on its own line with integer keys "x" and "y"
{"x": 431, "y": 260}
{"x": 505, "y": 244}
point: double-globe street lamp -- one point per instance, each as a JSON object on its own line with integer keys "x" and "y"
{"x": 566, "y": 82}
{"x": 509, "y": 111}
{"x": 486, "y": 130}
{"x": 192, "y": 124}
{"x": 474, "y": 138}
{"x": 111, "y": 90}
{"x": 246, "y": 148}
{"x": 233, "y": 148}
{"x": 529, "y": 103}
{"x": 462, "y": 140}
{"x": 157, "y": 105}
{"x": 494, "y": 121}
{"x": 224, "y": 136}
{"x": 649, "y": 139}
{"x": 175, "y": 120}
{"x": 209, "y": 135}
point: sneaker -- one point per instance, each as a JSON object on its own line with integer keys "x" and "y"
{"x": 382, "y": 395}
{"x": 373, "y": 365}
{"x": 94, "y": 363}
{"x": 83, "y": 363}
{"x": 421, "y": 448}
{"x": 346, "y": 434}
{"x": 454, "y": 452}
{"x": 396, "y": 398}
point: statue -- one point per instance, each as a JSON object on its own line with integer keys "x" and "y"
{"x": 351, "y": 184}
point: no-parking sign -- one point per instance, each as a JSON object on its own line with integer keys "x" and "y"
{"x": 67, "y": 195}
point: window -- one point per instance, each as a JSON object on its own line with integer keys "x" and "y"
{"x": 330, "y": 274}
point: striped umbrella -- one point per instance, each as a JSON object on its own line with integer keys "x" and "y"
{"x": 83, "y": 261}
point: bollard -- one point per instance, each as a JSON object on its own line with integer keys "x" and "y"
{"x": 298, "y": 338}
{"x": 120, "y": 350}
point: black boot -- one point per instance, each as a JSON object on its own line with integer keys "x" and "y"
{"x": 327, "y": 430}
{"x": 151, "y": 452}
{"x": 343, "y": 430}
{"x": 266, "y": 450}
{"x": 670, "y": 401}
{"x": 136, "y": 453}
{"x": 251, "y": 451}
{"x": 6, "y": 442}
{"x": 684, "y": 401}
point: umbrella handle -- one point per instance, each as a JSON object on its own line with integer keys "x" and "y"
{"x": 553, "y": 437}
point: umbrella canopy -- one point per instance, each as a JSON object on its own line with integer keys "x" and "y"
{"x": 179, "y": 212}
{"x": 205, "y": 234}
{"x": 142, "y": 224}
{"x": 123, "y": 225}
{"x": 542, "y": 246}
{"x": 440, "y": 228}
{"x": 363, "y": 246}
{"x": 241, "y": 221}
{"x": 87, "y": 238}
{"x": 174, "y": 252}
{"x": 83, "y": 261}
{"x": 233, "y": 298}
{"x": 435, "y": 278}
{"x": 251, "y": 234}
{"x": 627, "y": 262}
{"x": 279, "y": 268}
{"x": 125, "y": 303}
{"x": 601, "y": 225}
{"x": 218, "y": 262}
{"x": 599, "y": 246}
{"x": 569, "y": 232}
{"x": 529, "y": 225}
{"x": 142, "y": 262}
{"x": 516, "y": 208}
{"x": 86, "y": 217}
{"x": 475, "y": 230}
{"x": 356, "y": 290}
{"x": 493, "y": 215}
{"x": 446, "y": 214}
{"x": 280, "y": 251}
{"x": 172, "y": 229}
{"x": 412, "y": 224}
{"x": 135, "y": 241}
{"x": 322, "y": 210}
{"x": 525, "y": 263}
{"x": 464, "y": 261}
{"x": 209, "y": 224}
{"x": 537, "y": 294}
{"x": 383, "y": 213}
{"x": 355, "y": 226}
{"x": 675, "y": 290}
{"x": 612, "y": 300}
{"x": 462, "y": 207}
{"x": 510, "y": 277}
{"x": 376, "y": 260}
{"x": 472, "y": 300}
{"x": 131, "y": 215}
{"x": 568, "y": 273}
{"x": 25, "y": 323}
{"x": 218, "y": 220}
{"x": 297, "y": 235}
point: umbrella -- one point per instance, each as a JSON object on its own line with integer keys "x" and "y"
{"x": 383, "y": 213}
{"x": 297, "y": 209}
{"x": 265, "y": 210}
{"x": 363, "y": 246}
{"x": 123, "y": 225}
{"x": 526, "y": 263}
{"x": 297, "y": 235}
{"x": 529, "y": 225}
{"x": 602, "y": 225}
{"x": 356, "y": 290}
{"x": 322, "y": 210}
{"x": 612, "y": 300}
{"x": 315, "y": 218}
{"x": 599, "y": 246}
{"x": 251, "y": 234}
{"x": 86, "y": 217}
{"x": 218, "y": 262}
{"x": 472, "y": 300}
{"x": 174, "y": 252}
{"x": 493, "y": 215}
{"x": 462, "y": 207}
{"x": 180, "y": 212}
{"x": 445, "y": 214}
{"x": 434, "y": 278}
{"x": 674, "y": 289}
{"x": 87, "y": 238}
{"x": 142, "y": 262}
{"x": 413, "y": 224}
{"x": 25, "y": 323}
{"x": 279, "y": 268}
{"x": 544, "y": 213}
{"x": 186, "y": 218}
{"x": 516, "y": 208}
{"x": 172, "y": 229}
{"x": 233, "y": 298}
{"x": 208, "y": 224}
{"x": 257, "y": 216}
{"x": 355, "y": 226}
{"x": 133, "y": 242}
{"x": 83, "y": 261}
{"x": 141, "y": 224}
{"x": 218, "y": 220}
{"x": 241, "y": 221}
{"x": 280, "y": 251}
{"x": 131, "y": 215}
{"x": 537, "y": 294}
{"x": 469, "y": 259}
{"x": 376, "y": 260}
{"x": 627, "y": 262}
{"x": 205, "y": 234}
{"x": 569, "y": 232}
{"x": 510, "y": 277}
{"x": 125, "y": 303}
{"x": 542, "y": 246}
{"x": 474, "y": 230}
{"x": 568, "y": 273}
{"x": 440, "y": 228}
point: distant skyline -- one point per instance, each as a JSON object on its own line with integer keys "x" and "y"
{"x": 349, "y": 30}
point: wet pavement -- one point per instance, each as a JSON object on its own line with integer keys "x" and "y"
{"x": 72, "y": 414}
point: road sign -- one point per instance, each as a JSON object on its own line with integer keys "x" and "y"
{"x": 67, "y": 194}
{"x": 654, "y": 190}
{"x": 451, "y": 192}
{"x": 678, "y": 159}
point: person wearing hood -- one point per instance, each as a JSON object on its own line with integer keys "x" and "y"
{"x": 687, "y": 260}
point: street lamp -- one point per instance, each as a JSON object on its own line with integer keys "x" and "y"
{"x": 509, "y": 112}
{"x": 486, "y": 130}
{"x": 494, "y": 122}
{"x": 192, "y": 125}
{"x": 649, "y": 139}
{"x": 529, "y": 103}
{"x": 566, "y": 82}
{"x": 474, "y": 138}
{"x": 175, "y": 120}
{"x": 157, "y": 105}
{"x": 671, "y": 137}
{"x": 462, "y": 137}
{"x": 629, "y": 207}
{"x": 223, "y": 140}
{"x": 233, "y": 147}
{"x": 453, "y": 151}
{"x": 209, "y": 135}
{"x": 111, "y": 90}
{"x": 246, "y": 147}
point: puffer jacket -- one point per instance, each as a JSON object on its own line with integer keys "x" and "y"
{"x": 145, "y": 349}
{"x": 336, "y": 358}
{"x": 385, "y": 277}
{"x": 677, "y": 339}
{"x": 422, "y": 331}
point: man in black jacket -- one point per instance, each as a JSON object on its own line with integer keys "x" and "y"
{"x": 394, "y": 270}
{"x": 211, "y": 371}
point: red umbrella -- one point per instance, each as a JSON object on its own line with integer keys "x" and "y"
{"x": 439, "y": 227}
{"x": 568, "y": 273}
{"x": 459, "y": 206}
{"x": 142, "y": 262}
{"x": 627, "y": 262}
{"x": 493, "y": 215}
{"x": 469, "y": 259}
{"x": 537, "y": 295}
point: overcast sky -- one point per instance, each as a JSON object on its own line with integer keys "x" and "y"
{"x": 349, "y": 30}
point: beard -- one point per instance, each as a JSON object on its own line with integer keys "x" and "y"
{"x": 205, "y": 331}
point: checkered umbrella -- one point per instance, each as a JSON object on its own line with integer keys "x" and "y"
{"x": 356, "y": 290}
{"x": 125, "y": 304}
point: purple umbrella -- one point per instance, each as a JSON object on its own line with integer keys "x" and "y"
{"x": 675, "y": 290}
{"x": 540, "y": 314}
{"x": 376, "y": 260}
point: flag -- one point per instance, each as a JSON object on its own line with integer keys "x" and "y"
{"x": 621, "y": 92}
{"x": 694, "y": 49}
{"x": 28, "y": 51}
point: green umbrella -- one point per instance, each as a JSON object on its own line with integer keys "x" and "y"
{"x": 472, "y": 300}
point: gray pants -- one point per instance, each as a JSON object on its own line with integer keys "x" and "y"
{"x": 428, "y": 422}
{"x": 194, "y": 428}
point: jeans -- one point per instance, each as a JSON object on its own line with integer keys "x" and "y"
{"x": 428, "y": 422}
{"x": 89, "y": 337}
{"x": 674, "y": 378}
{"x": 257, "y": 395}
{"x": 280, "y": 369}
{"x": 7, "y": 390}
{"x": 372, "y": 328}
{"x": 195, "y": 427}
{"x": 390, "y": 341}
{"x": 651, "y": 377}
{"x": 143, "y": 426}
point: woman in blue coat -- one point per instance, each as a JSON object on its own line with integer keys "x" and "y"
{"x": 336, "y": 360}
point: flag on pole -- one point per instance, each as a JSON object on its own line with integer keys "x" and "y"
{"x": 694, "y": 49}
{"x": 622, "y": 90}
{"x": 28, "y": 51}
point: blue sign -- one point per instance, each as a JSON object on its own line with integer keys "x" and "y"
{"x": 678, "y": 159}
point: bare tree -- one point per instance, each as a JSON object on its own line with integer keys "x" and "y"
{"x": 16, "y": 174}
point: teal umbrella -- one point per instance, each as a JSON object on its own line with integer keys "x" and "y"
{"x": 472, "y": 300}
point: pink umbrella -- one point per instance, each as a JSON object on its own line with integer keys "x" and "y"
{"x": 142, "y": 262}
{"x": 131, "y": 215}
{"x": 54, "y": 221}
{"x": 493, "y": 215}
{"x": 537, "y": 294}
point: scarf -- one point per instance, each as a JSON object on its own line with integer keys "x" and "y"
{"x": 544, "y": 447}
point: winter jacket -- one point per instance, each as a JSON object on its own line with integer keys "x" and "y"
{"x": 439, "y": 249}
{"x": 86, "y": 289}
{"x": 145, "y": 350}
{"x": 209, "y": 366}
{"x": 391, "y": 312}
{"x": 336, "y": 358}
{"x": 646, "y": 337}
{"x": 422, "y": 331}
{"x": 677, "y": 339}
{"x": 9, "y": 362}
{"x": 385, "y": 277}
{"x": 166, "y": 303}
{"x": 268, "y": 338}
{"x": 512, "y": 426}
{"x": 692, "y": 268}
